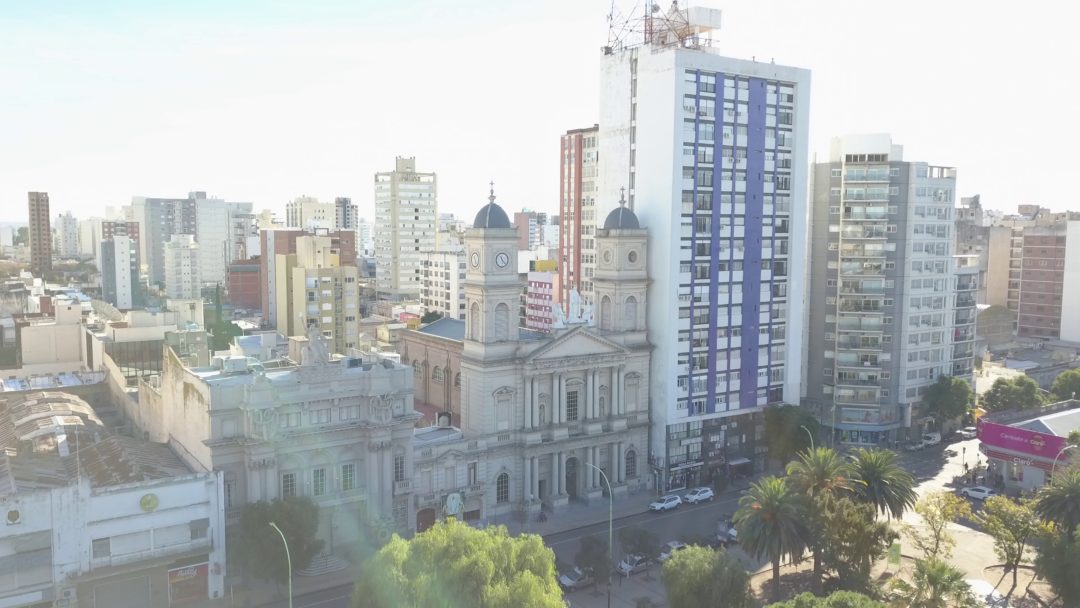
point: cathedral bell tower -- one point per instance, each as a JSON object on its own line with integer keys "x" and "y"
{"x": 621, "y": 280}
{"x": 492, "y": 284}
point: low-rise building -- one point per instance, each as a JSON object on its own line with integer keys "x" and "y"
{"x": 1021, "y": 448}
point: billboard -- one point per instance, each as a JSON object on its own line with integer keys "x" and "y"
{"x": 188, "y": 584}
{"x": 1032, "y": 443}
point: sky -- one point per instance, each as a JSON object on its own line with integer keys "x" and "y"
{"x": 264, "y": 101}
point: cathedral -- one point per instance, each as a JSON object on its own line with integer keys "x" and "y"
{"x": 523, "y": 421}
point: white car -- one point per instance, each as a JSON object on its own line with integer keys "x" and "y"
{"x": 665, "y": 503}
{"x": 969, "y": 432}
{"x": 978, "y": 492}
{"x": 698, "y": 495}
{"x": 574, "y": 579}
{"x": 987, "y": 594}
{"x": 632, "y": 564}
{"x": 670, "y": 548}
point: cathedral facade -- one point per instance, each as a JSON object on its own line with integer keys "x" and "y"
{"x": 539, "y": 421}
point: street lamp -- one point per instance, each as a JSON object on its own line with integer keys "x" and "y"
{"x": 611, "y": 507}
{"x": 810, "y": 435}
{"x": 1054, "y": 468}
{"x": 288, "y": 558}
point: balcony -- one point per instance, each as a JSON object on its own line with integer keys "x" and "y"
{"x": 859, "y": 344}
{"x": 848, "y": 379}
{"x": 402, "y": 487}
{"x": 965, "y": 301}
{"x": 864, "y": 306}
{"x": 857, "y": 323}
{"x": 861, "y": 215}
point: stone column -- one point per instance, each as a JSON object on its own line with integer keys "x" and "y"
{"x": 559, "y": 399}
{"x": 586, "y": 399}
{"x": 596, "y": 393}
{"x": 594, "y": 475}
{"x": 535, "y": 491}
{"x": 526, "y": 485}
{"x": 620, "y": 462}
{"x": 619, "y": 382}
{"x": 530, "y": 391}
{"x": 560, "y": 474}
{"x": 585, "y": 472}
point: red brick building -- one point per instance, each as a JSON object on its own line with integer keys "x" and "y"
{"x": 245, "y": 284}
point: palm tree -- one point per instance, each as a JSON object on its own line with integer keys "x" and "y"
{"x": 935, "y": 583}
{"x": 771, "y": 524}
{"x": 1059, "y": 502}
{"x": 819, "y": 474}
{"x": 878, "y": 480}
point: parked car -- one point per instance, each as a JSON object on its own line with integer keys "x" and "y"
{"x": 670, "y": 548}
{"x": 929, "y": 439}
{"x": 978, "y": 492}
{"x": 987, "y": 594}
{"x": 665, "y": 503}
{"x": 698, "y": 495}
{"x": 575, "y": 578}
{"x": 969, "y": 432}
{"x": 632, "y": 564}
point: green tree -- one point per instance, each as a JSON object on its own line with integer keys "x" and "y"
{"x": 935, "y": 583}
{"x": 453, "y": 564}
{"x": 837, "y": 599}
{"x": 261, "y": 552}
{"x": 700, "y": 576}
{"x": 819, "y": 474}
{"x": 783, "y": 434}
{"x": 947, "y": 399}
{"x": 592, "y": 557}
{"x": 1059, "y": 501}
{"x": 1067, "y": 384}
{"x": 879, "y": 481}
{"x": 1012, "y": 524}
{"x": 771, "y": 524}
{"x": 938, "y": 510}
{"x": 854, "y": 539}
{"x": 1058, "y": 555}
{"x": 1018, "y": 393}
{"x": 22, "y": 236}
{"x": 430, "y": 317}
{"x": 1073, "y": 437}
{"x": 639, "y": 541}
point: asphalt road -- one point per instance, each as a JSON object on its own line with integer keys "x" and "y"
{"x": 331, "y": 597}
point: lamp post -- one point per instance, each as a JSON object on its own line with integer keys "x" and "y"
{"x": 611, "y": 509}
{"x": 1054, "y": 468}
{"x": 810, "y": 435}
{"x": 288, "y": 558}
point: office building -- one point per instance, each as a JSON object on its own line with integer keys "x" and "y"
{"x": 181, "y": 261}
{"x": 40, "y": 233}
{"x": 119, "y": 267}
{"x": 442, "y": 282}
{"x": 345, "y": 214}
{"x": 892, "y": 309}
{"x": 66, "y": 241}
{"x": 579, "y": 156}
{"x": 283, "y": 242}
{"x": 160, "y": 219}
{"x": 406, "y": 219}
{"x": 313, "y": 289}
{"x": 306, "y": 212}
{"x": 710, "y": 152}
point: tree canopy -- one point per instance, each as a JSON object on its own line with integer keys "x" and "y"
{"x": 837, "y": 599}
{"x": 451, "y": 565}
{"x": 1056, "y": 562}
{"x": 700, "y": 576}
{"x": 948, "y": 399}
{"x": 783, "y": 434}
{"x": 771, "y": 521}
{"x": 261, "y": 552}
{"x": 1019, "y": 393}
{"x": 592, "y": 557}
{"x": 938, "y": 510}
{"x": 1067, "y": 384}
{"x": 1013, "y": 524}
{"x": 879, "y": 481}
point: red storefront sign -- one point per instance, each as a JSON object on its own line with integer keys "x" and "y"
{"x": 188, "y": 584}
{"x": 1039, "y": 445}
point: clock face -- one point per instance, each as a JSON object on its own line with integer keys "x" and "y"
{"x": 501, "y": 260}
{"x": 475, "y": 259}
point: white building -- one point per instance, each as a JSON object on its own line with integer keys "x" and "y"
{"x": 308, "y": 213}
{"x": 119, "y": 267}
{"x": 549, "y": 235}
{"x": 90, "y": 237}
{"x": 365, "y": 241}
{"x": 183, "y": 277}
{"x": 712, "y": 154}
{"x": 406, "y": 221}
{"x": 95, "y": 519}
{"x": 66, "y": 240}
{"x": 442, "y": 282}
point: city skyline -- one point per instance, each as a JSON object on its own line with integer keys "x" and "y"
{"x": 131, "y": 100}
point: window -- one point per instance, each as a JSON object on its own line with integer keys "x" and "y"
{"x": 417, "y": 367}
{"x": 288, "y": 485}
{"x": 102, "y": 547}
{"x": 437, "y": 375}
{"x": 318, "y": 482}
{"x": 399, "y": 467}
{"x": 457, "y": 380}
{"x": 502, "y": 488}
{"x": 320, "y": 416}
{"x": 631, "y": 463}
{"x": 349, "y": 412}
{"x": 199, "y": 528}
{"x": 290, "y": 420}
{"x": 348, "y": 477}
{"x": 571, "y": 406}
{"x": 228, "y": 494}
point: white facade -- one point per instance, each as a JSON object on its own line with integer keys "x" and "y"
{"x": 212, "y": 228}
{"x": 182, "y": 267}
{"x": 676, "y": 124}
{"x": 308, "y": 213}
{"x": 119, "y": 267}
{"x": 406, "y": 222}
{"x": 1070, "y": 291}
{"x": 549, "y": 236}
{"x": 90, "y": 237}
{"x": 442, "y": 283}
{"x": 134, "y": 529}
{"x": 67, "y": 235}
{"x": 365, "y": 242}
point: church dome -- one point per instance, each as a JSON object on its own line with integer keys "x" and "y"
{"x": 491, "y": 215}
{"x": 621, "y": 218}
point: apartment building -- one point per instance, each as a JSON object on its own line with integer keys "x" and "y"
{"x": 891, "y": 308}
{"x": 66, "y": 239}
{"x": 182, "y": 269}
{"x": 307, "y": 213}
{"x": 314, "y": 290}
{"x": 40, "y": 233}
{"x": 119, "y": 267}
{"x": 442, "y": 282}
{"x": 578, "y": 162}
{"x": 406, "y": 223}
{"x": 276, "y": 242}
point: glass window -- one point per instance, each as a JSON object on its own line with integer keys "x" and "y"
{"x": 102, "y": 547}
{"x": 288, "y": 485}
{"x": 502, "y": 488}
{"x": 348, "y": 477}
{"x": 399, "y": 467}
{"x": 631, "y": 463}
{"x": 318, "y": 482}
{"x": 571, "y": 406}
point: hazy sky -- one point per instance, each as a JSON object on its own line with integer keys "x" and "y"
{"x": 264, "y": 101}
